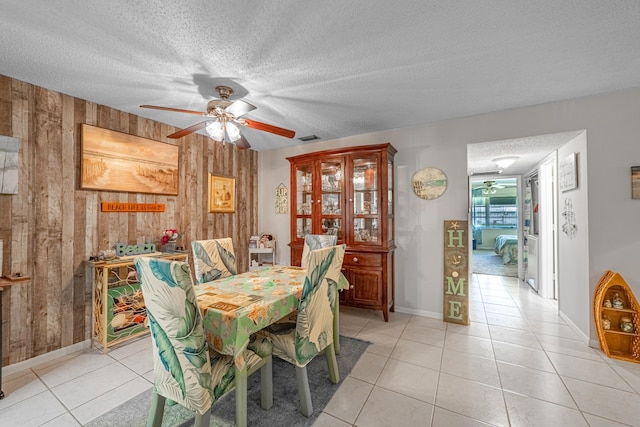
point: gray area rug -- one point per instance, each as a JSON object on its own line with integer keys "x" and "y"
{"x": 488, "y": 262}
{"x": 286, "y": 404}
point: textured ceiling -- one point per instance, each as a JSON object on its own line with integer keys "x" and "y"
{"x": 526, "y": 151}
{"x": 331, "y": 68}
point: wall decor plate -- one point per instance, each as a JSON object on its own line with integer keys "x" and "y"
{"x": 429, "y": 183}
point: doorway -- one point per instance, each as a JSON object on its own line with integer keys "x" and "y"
{"x": 495, "y": 223}
{"x": 540, "y": 245}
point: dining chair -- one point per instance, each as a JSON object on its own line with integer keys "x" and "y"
{"x": 299, "y": 341}
{"x": 317, "y": 241}
{"x": 185, "y": 370}
{"x": 213, "y": 259}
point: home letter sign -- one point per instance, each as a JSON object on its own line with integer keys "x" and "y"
{"x": 456, "y": 272}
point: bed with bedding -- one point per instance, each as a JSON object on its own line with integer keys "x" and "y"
{"x": 507, "y": 248}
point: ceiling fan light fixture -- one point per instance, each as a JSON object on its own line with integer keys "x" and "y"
{"x": 216, "y": 130}
{"x": 233, "y": 132}
{"x": 491, "y": 190}
{"x": 505, "y": 162}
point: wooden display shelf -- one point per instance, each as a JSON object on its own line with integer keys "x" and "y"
{"x": 618, "y": 331}
{"x": 614, "y": 342}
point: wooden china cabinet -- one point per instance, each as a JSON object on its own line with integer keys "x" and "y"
{"x": 349, "y": 192}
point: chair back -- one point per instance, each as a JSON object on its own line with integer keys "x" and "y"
{"x": 314, "y": 325}
{"x": 181, "y": 367}
{"x": 213, "y": 259}
{"x": 316, "y": 241}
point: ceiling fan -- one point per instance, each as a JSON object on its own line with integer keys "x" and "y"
{"x": 490, "y": 187}
{"x": 222, "y": 117}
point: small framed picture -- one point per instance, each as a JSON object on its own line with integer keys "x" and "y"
{"x": 222, "y": 194}
{"x": 568, "y": 173}
{"x": 635, "y": 182}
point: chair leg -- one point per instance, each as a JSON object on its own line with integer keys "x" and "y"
{"x": 336, "y": 327}
{"x": 303, "y": 390}
{"x": 332, "y": 364}
{"x": 241, "y": 397}
{"x": 157, "y": 411}
{"x": 266, "y": 384}
{"x": 203, "y": 420}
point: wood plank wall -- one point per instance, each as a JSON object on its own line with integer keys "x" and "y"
{"x": 51, "y": 226}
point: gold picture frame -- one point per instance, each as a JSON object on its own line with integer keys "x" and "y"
{"x": 635, "y": 182}
{"x": 222, "y": 194}
{"x": 116, "y": 161}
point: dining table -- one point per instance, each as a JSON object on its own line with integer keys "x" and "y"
{"x": 236, "y": 307}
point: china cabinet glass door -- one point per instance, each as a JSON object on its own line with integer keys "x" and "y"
{"x": 304, "y": 199}
{"x": 331, "y": 200}
{"x": 366, "y": 213}
{"x": 390, "y": 198}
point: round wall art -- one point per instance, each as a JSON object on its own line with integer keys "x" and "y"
{"x": 429, "y": 183}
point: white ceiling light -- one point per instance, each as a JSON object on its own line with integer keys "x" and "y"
{"x": 233, "y": 132}
{"x": 505, "y": 162}
{"x": 216, "y": 131}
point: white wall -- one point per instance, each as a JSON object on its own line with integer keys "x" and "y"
{"x": 612, "y": 130}
{"x": 573, "y": 250}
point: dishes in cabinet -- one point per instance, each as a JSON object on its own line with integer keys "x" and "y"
{"x": 606, "y": 323}
{"x": 617, "y": 301}
{"x": 626, "y": 324}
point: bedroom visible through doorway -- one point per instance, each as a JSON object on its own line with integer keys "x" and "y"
{"x": 494, "y": 225}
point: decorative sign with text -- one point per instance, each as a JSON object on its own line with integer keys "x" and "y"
{"x": 131, "y": 207}
{"x": 456, "y": 272}
{"x": 282, "y": 199}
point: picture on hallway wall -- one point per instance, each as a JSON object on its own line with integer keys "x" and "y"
{"x": 117, "y": 161}
{"x": 568, "y": 173}
{"x": 635, "y": 182}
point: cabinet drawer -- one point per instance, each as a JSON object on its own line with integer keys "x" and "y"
{"x": 362, "y": 259}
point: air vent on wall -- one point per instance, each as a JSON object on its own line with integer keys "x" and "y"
{"x": 309, "y": 138}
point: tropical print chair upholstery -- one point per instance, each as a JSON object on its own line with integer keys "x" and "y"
{"x": 317, "y": 241}
{"x": 299, "y": 341}
{"x": 184, "y": 369}
{"x": 213, "y": 259}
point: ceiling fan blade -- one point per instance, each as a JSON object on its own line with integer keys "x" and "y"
{"x": 177, "y": 110}
{"x": 187, "y": 131}
{"x": 268, "y": 128}
{"x": 242, "y": 142}
{"x": 239, "y": 107}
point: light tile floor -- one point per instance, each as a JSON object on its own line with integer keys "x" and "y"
{"x": 517, "y": 364}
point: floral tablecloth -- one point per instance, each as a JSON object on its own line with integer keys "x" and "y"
{"x": 235, "y": 307}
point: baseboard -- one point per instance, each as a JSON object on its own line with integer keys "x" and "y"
{"x": 422, "y": 313}
{"x": 44, "y": 358}
{"x": 584, "y": 338}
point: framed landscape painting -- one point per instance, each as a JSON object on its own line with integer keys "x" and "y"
{"x": 117, "y": 161}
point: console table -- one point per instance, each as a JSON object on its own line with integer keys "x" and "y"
{"x": 4, "y": 283}
{"x": 119, "y": 312}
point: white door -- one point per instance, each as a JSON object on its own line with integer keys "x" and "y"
{"x": 547, "y": 215}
